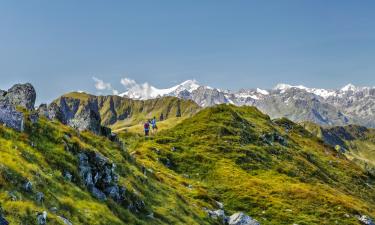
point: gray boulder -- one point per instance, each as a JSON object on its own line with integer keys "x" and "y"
{"x": 23, "y": 95}
{"x": 241, "y": 218}
{"x": 366, "y": 220}
{"x": 39, "y": 197}
{"x": 10, "y": 117}
{"x": 41, "y": 218}
{"x": 65, "y": 220}
{"x": 28, "y": 186}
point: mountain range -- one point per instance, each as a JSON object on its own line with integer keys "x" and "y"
{"x": 348, "y": 105}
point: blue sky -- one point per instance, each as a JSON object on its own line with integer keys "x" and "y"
{"x": 59, "y": 46}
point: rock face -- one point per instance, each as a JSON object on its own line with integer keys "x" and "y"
{"x": 82, "y": 115}
{"x": 366, "y": 220}
{"x": 99, "y": 176}
{"x": 20, "y": 95}
{"x": 11, "y": 117}
{"x": 23, "y": 95}
{"x": 42, "y": 218}
{"x": 241, "y": 219}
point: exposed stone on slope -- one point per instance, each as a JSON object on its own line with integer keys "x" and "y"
{"x": 99, "y": 175}
{"x": 20, "y": 95}
{"x": 366, "y": 220}
{"x": 241, "y": 218}
{"x": 41, "y": 218}
{"x": 23, "y": 95}
{"x": 11, "y": 117}
{"x": 65, "y": 220}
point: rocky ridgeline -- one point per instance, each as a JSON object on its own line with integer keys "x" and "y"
{"x": 68, "y": 111}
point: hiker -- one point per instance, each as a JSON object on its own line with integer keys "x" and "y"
{"x": 146, "y": 127}
{"x": 153, "y": 124}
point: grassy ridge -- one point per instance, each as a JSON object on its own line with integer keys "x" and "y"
{"x": 300, "y": 180}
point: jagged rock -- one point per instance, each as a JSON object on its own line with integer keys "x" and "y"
{"x": 220, "y": 205}
{"x": 99, "y": 175}
{"x": 270, "y": 138}
{"x": 217, "y": 214}
{"x": 241, "y": 218}
{"x": 28, "y": 186}
{"x": 82, "y": 117}
{"x": 23, "y": 95}
{"x": 3, "y": 221}
{"x": 39, "y": 197}
{"x": 54, "y": 112}
{"x": 98, "y": 194}
{"x": 113, "y": 192}
{"x": 11, "y": 117}
{"x": 366, "y": 220}
{"x": 85, "y": 169}
{"x": 68, "y": 176}
{"x": 65, "y": 220}
{"x": 41, "y": 218}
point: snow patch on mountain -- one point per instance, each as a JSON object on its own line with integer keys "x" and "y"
{"x": 146, "y": 91}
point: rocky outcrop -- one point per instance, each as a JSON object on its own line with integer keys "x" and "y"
{"x": 10, "y": 117}
{"x": 41, "y": 218}
{"x": 238, "y": 218}
{"x": 98, "y": 175}
{"x": 241, "y": 218}
{"x": 365, "y": 220}
{"x": 23, "y": 95}
{"x": 81, "y": 115}
{"x": 20, "y": 95}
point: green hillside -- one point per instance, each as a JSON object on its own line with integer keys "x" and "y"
{"x": 356, "y": 142}
{"x": 47, "y": 151}
{"x": 276, "y": 171}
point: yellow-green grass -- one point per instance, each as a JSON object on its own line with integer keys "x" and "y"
{"x": 221, "y": 150}
{"x": 40, "y": 156}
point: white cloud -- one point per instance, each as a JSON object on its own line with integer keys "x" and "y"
{"x": 101, "y": 85}
{"x": 128, "y": 83}
{"x": 115, "y": 92}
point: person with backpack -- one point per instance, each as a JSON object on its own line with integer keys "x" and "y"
{"x": 153, "y": 125}
{"x": 146, "y": 127}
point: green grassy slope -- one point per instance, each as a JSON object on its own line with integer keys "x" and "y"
{"x": 276, "y": 171}
{"x": 357, "y": 142}
{"x": 47, "y": 150}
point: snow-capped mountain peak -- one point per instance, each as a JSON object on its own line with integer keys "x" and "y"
{"x": 297, "y": 102}
{"x": 146, "y": 91}
{"x": 348, "y": 87}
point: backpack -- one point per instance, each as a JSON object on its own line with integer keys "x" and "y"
{"x": 146, "y": 126}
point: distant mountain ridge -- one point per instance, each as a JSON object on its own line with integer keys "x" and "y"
{"x": 348, "y": 105}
